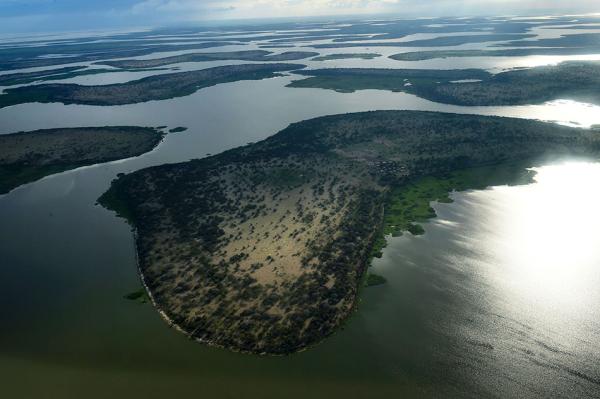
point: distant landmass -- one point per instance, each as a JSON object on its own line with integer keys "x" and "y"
{"x": 345, "y": 56}
{"x": 443, "y": 41}
{"x": 264, "y": 248}
{"x": 513, "y": 52}
{"x": 246, "y": 55}
{"x": 157, "y": 87}
{"x": 576, "y": 80}
{"x": 21, "y": 78}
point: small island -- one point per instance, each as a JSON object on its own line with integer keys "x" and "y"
{"x": 158, "y": 87}
{"x": 246, "y": 55}
{"x": 178, "y": 129}
{"x": 263, "y": 248}
{"x": 346, "y": 56}
{"x": 373, "y": 279}
{"x": 514, "y": 52}
{"x": 29, "y": 156}
{"x": 575, "y": 80}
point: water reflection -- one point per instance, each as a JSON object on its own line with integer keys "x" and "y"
{"x": 549, "y": 240}
{"x": 504, "y": 288}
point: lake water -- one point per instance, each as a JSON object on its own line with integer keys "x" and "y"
{"x": 499, "y": 298}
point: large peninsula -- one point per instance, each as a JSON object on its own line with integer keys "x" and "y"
{"x": 29, "y": 156}
{"x": 157, "y": 87}
{"x": 264, "y": 248}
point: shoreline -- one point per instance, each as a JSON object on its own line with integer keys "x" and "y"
{"x": 318, "y": 206}
{"x": 79, "y": 150}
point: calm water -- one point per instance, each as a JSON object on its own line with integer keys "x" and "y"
{"x": 499, "y": 299}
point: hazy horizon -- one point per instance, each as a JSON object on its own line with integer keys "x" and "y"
{"x": 67, "y": 15}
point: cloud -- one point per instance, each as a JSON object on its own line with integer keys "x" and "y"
{"x": 286, "y": 8}
{"x": 76, "y": 14}
{"x": 260, "y": 8}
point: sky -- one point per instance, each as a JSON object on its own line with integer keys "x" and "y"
{"x": 50, "y": 15}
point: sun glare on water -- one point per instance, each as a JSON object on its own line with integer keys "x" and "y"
{"x": 547, "y": 235}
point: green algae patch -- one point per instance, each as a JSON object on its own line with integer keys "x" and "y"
{"x": 410, "y": 204}
{"x": 374, "y": 279}
{"x": 178, "y": 129}
{"x": 139, "y": 295}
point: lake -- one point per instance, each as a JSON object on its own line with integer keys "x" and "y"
{"x": 499, "y": 298}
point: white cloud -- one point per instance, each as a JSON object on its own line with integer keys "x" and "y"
{"x": 261, "y": 8}
{"x": 198, "y": 9}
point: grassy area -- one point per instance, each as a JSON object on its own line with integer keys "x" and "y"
{"x": 112, "y": 201}
{"x": 410, "y": 204}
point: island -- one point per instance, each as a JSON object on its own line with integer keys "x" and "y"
{"x": 575, "y": 44}
{"x": 514, "y": 52}
{"x": 590, "y": 40}
{"x": 157, "y": 87}
{"x": 29, "y": 156}
{"x": 178, "y": 129}
{"x": 345, "y": 56}
{"x": 247, "y": 55}
{"x": 348, "y": 80}
{"x": 20, "y": 57}
{"x": 264, "y": 248}
{"x": 442, "y": 41}
{"x": 22, "y": 78}
{"x": 575, "y": 80}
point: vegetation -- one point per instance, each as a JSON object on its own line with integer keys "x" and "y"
{"x": 138, "y": 295}
{"x": 29, "y": 156}
{"x": 158, "y": 87}
{"x": 178, "y": 129}
{"x": 247, "y": 55}
{"x": 263, "y": 248}
{"x": 576, "y": 80}
{"x": 42, "y": 53}
{"x": 344, "y": 56}
{"x": 20, "y": 57}
{"x": 442, "y": 41}
{"x": 515, "y": 52}
{"x": 581, "y": 40}
{"x": 410, "y": 204}
{"x": 374, "y": 279}
{"x": 58, "y": 74}
{"x": 347, "y": 80}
